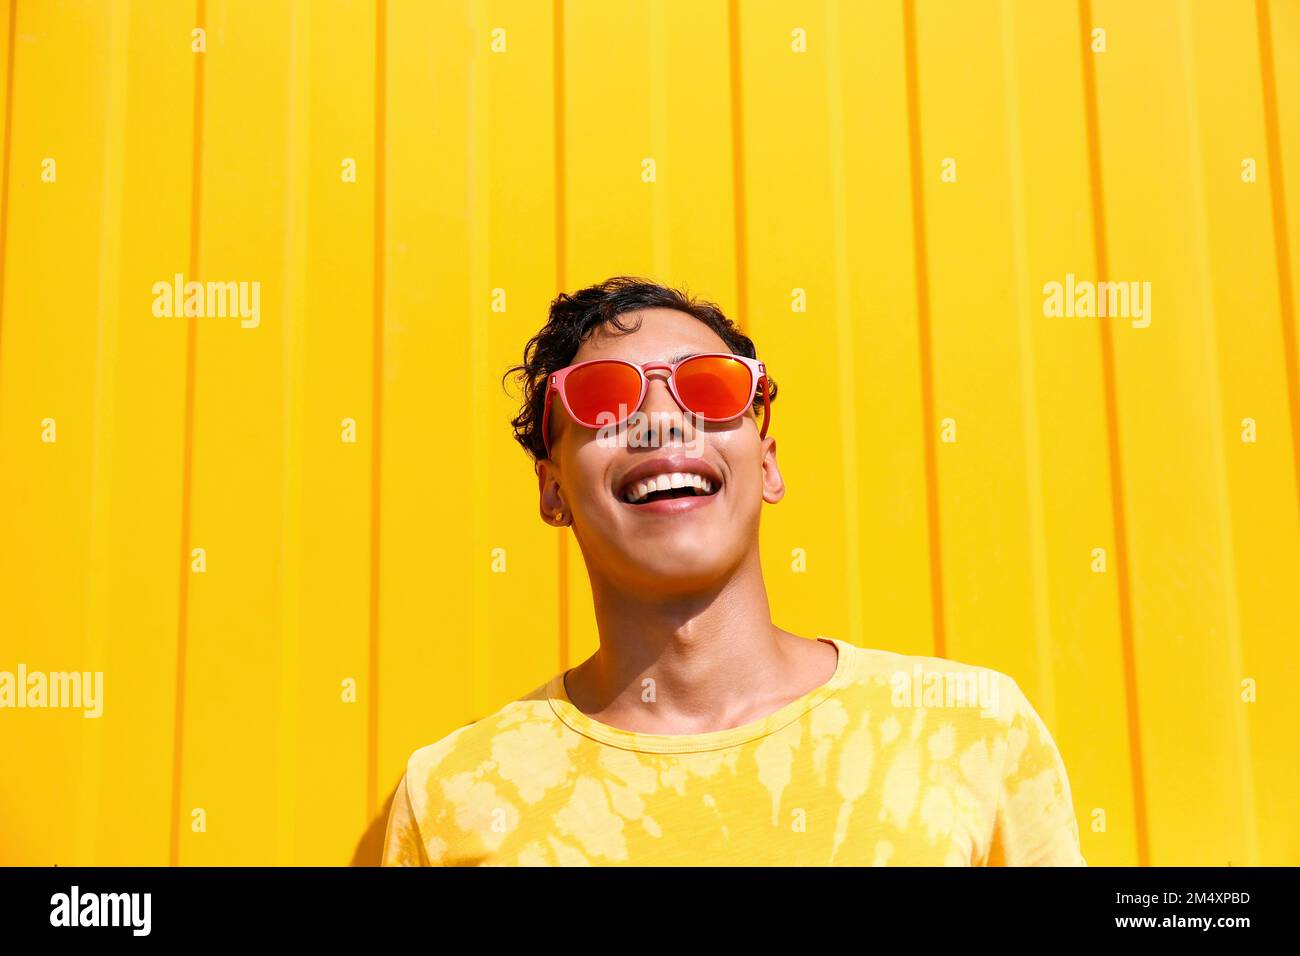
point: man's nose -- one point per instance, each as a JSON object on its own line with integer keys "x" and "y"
{"x": 663, "y": 414}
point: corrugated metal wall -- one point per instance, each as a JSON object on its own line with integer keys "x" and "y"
{"x": 879, "y": 191}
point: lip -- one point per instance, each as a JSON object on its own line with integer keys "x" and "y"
{"x": 664, "y": 463}
{"x": 672, "y": 506}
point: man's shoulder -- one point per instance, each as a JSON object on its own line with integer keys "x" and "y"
{"x": 925, "y": 681}
{"x": 474, "y": 741}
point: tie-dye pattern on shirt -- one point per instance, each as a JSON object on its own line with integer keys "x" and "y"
{"x": 852, "y": 773}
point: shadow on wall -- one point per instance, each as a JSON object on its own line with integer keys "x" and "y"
{"x": 370, "y": 848}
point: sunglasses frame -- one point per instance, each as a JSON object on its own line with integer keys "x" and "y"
{"x": 555, "y": 384}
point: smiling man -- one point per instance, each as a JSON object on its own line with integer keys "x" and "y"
{"x": 700, "y": 732}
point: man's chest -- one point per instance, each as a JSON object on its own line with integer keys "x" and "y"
{"x": 710, "y": 812}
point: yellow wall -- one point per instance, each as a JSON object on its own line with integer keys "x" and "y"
{"x": 775, "y": 171}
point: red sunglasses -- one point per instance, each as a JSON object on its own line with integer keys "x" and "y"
{"x": 604, "y": 393}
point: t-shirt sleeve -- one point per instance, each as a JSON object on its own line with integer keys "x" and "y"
{"x": 1035, "y": 823}
{"x": 403, "y": 845}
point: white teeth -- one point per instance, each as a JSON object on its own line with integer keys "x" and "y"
{"x": 666, "y": 481}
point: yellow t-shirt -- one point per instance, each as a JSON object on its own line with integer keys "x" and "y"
{"x": 897, "y": 760}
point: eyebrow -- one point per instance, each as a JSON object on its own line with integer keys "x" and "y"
{"x": 680, "y": 356}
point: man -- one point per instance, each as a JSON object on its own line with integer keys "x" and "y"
{"x": 700, "y": 733}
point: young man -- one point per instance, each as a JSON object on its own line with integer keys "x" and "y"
{"x": 700, "y": 732}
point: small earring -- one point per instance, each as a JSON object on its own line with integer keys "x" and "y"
{"x": 559, "y": 516}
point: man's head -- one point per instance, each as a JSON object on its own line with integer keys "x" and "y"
{"x": 663, "y": 542}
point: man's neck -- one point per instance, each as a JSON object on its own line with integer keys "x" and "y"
{"x": 692, "y": 663}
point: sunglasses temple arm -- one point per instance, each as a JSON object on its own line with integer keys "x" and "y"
{"x": 767, "y": 407}
{"x": 546, "y": 418}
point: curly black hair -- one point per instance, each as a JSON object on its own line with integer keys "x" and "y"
{"x": 572, "y": 320}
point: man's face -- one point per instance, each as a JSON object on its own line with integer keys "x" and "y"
{"x": 669, "y": 542}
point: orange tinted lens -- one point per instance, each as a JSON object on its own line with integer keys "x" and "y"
{"x": 603, "y": 393}
{"x": 715, "y": 386}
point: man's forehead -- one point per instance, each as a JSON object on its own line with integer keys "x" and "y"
{"x": 670, "y": 354}
{"x": 669, "y": 342}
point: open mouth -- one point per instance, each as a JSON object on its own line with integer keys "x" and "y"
{"x": 669, "y": 485}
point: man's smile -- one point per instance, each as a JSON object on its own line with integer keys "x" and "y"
{"x": 667, "y": 484}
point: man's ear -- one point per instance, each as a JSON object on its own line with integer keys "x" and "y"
{"x": 549, "y": 499}
{"x": 773, "y": 483}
